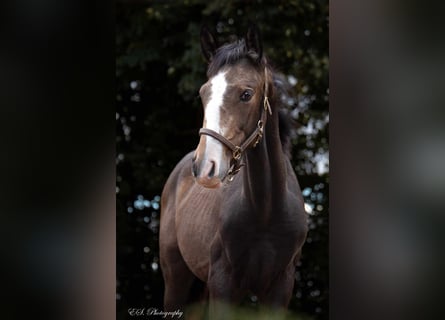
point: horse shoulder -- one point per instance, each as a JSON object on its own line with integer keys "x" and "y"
{"x": 170, "y": 190}
{"x": 188, "y": 218}
{"x": 167, "y": 234}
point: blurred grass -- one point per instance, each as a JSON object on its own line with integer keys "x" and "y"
{"x": 200, "y": 312}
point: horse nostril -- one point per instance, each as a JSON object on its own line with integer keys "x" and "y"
{"x": 212, "y": 170}
{"x": 194, "y": 168}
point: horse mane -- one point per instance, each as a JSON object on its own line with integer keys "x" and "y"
{"x": 230, "y": 54}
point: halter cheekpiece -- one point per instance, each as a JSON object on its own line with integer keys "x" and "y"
{"x": 252, "y": 140}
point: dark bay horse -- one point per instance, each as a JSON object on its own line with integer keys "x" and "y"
{"x": 232, "y": 213}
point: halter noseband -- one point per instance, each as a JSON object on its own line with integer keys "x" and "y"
{"x": 252, "y": 140}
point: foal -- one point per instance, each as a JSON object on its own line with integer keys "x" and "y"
{"x": 233, "y": 216}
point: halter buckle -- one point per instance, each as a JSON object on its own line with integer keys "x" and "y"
{"x": 236, "y": 153}
{"x": 260, "y": 126}
{"x": 267, "y": 105}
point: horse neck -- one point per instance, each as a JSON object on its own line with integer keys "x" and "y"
{"x": 265, "y": 172}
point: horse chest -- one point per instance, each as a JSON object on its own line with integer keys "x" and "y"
{"x": 255, "y": 253}
{"x": 255, "y": 260}
{"x": 260, "y": 242}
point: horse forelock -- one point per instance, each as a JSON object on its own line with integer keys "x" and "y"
{"x": 232, "y": 53}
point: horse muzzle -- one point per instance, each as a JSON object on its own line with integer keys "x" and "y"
{"x": 206, "y": 174}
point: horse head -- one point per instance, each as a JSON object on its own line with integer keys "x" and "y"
{"x": 232, "y": 101}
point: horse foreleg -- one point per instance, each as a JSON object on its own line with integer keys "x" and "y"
{"x": 279, "y": 294}
{"x": 223, "y": 292}
{"x": 222, "y": 295}
{"x": 178, "y": 280}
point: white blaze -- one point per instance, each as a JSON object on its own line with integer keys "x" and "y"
{"x": 218, "y": 87}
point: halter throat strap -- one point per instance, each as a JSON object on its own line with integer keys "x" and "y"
{"x": 252, "y": 140}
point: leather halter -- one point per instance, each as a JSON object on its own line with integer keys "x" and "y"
{"x": 252, "y": 140}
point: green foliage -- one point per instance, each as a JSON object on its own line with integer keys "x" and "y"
{"x": 159, "y": 70}
{"x": 244, "y": 313}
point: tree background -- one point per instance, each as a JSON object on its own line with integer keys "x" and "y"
{"x": 159, "y": 70}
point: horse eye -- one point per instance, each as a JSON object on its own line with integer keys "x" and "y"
{"x": 246, "y": 95}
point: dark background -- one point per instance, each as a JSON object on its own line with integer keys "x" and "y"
{"x": 159, "y": 70}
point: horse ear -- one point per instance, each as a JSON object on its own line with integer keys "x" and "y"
{"x": 208, "y": 44}
{"x": 253, "y": 41}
